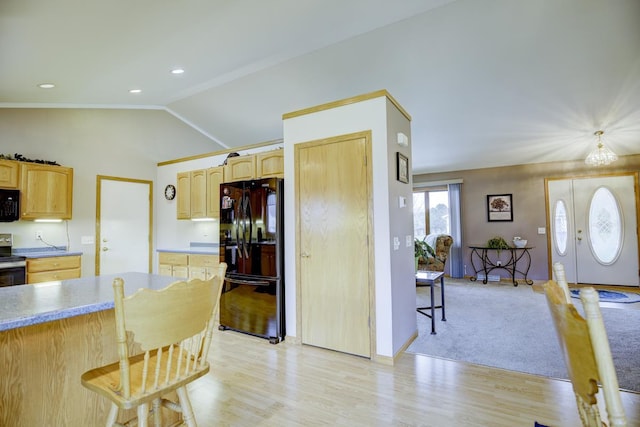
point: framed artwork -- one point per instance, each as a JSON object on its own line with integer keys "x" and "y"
{"x": 402, "y": 167}
{"x": 499, "y": 207}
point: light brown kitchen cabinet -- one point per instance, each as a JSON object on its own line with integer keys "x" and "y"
{"x": 215, "y": 177}
{"x": 173, "y": 264}
{"x": 240, "y": 168}
{"x": 203, "y": 266}
{"x": 46, "y": 191}
{"x": 53, "y": 268}
{"x": 270, "y": 164}
{"x": 198, "y": 193}
{"x": 9, "y": 173}
{"x": 183, "y": 195}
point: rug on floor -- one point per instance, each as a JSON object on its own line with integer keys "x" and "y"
{"x": 509, "y": 327}
{"x": 611, "y": 296}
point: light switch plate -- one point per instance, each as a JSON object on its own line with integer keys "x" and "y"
{"x": 409, "y": 241}
{"x": 87, "y": 240}
{"x": 542, "y": 230}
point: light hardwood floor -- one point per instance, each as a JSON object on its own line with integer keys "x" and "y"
{"x": 254, "y": 383}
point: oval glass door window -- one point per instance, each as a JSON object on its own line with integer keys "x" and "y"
{"x": 605, "y": 226}
{"x": 560, "y": 229}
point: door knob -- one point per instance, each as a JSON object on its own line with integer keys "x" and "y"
{"x": 105, "y": 249}
{"x": 305, "y": 255}
{"x": 579, "y": 238}
{"x": 104, "y": 240}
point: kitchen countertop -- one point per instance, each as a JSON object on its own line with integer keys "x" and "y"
{"x": 44, "y": 252}
{"x": 25, "y": 305}
{"x": 194, "y": 248}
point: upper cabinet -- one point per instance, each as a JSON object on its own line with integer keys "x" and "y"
{"x": 9, "y": 173}
{"x": 46, "y": 191}
{"x": 240, "y": 168}
{"x": 199, "y": 193}
{"x": 215, "y": 177}
{"x": 183, "y": 191}
{"x": 270, "y": 164}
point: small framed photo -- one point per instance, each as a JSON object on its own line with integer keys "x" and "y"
{"x": 499, "y": 207}
{"x": 402, "y": 166}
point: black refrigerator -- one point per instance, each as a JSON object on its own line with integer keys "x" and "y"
{"x": 252, "y": 245}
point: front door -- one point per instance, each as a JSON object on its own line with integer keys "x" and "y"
{"x": 123, "y": 228}
{"x": 333, "y": 207}
{"x": 594, "y": 229}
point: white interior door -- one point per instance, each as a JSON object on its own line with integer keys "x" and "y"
{"x": 123, "y": 235}
{"x": 594, "y": 229}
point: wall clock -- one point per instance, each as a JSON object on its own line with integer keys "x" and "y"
{"x": 169, "y": 192}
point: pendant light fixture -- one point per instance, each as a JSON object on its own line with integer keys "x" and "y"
{"x": 601, "y": 155}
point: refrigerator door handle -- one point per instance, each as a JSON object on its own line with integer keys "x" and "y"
{"x": 246, "y": 282}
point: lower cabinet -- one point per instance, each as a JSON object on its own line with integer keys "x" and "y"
{"x": 53, "y": 268}
{"x": 192, "y": 266}
{"x": 203, "y": 266}
{"x": 173, "y": 264}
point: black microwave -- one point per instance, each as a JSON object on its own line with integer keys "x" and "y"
{"x": 9, "y": 205}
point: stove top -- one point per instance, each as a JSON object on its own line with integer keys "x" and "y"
{"x": 11, "y": 258}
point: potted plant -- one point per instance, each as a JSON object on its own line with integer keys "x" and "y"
{"x": 422, "y": 251}
{"x": 498, "y": 243}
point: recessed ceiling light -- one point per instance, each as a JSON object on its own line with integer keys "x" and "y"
{"x": 177, "y": 71}
{"x": 46, "y": 85}
{"x": 135, "y": 90}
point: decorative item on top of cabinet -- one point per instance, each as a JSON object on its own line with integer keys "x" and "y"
{"x": 9, "y": 173}
{"x": 46, "y": 191}
{"x": 173, "y": 264}
{"x": 53, "y": 268}
{"x": 240, "y": 168}
{"x": 270, "y": 164}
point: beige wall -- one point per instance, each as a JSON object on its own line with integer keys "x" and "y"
{"x": 124, "y": 143}
{"x": 526, "y": 183}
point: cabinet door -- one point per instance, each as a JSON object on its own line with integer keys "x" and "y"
{"x": 240, "y": 168}
{"x": 183, "y": 190}
{"x": 198, "y": 193}
{"x": 9, "y": 174}
{"x": 46, "y": 191}
{"x": 215, "y": 177}
{"x": 165, "y": 270}
{"x": 270, "y": 164}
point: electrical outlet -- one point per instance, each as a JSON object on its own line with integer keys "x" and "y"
{"x": 38, "y": 235}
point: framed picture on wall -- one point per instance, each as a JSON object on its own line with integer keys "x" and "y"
{"x": 499, "y": 207}
{"x": 402, "y": 166}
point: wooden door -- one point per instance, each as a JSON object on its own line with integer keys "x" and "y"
{"x": 333, "y": 192}
{"x": 123, "y": 227}
{"x": 594, "y": 229}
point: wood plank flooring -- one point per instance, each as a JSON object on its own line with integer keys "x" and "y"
{"x": 254, "y": 383}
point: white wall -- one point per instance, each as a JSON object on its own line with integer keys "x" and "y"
{"x": 391, "y": 330}
{"x": 122, "y": 143}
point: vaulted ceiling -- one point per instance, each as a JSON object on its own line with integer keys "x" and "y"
{"x": 487, "y": 82}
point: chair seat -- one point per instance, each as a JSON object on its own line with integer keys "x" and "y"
{"x": 105, "y": 380}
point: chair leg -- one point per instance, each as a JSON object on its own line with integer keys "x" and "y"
{"x": 185, "y": 404}
{"x": 157, "y": 413}
{"x": 143, "y": 415}
{"x": 113, "y": 415}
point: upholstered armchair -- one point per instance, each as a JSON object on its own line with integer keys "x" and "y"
{"x": 441, "y": 243}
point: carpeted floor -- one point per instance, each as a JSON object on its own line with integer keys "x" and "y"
{"x": 510, "y": 327}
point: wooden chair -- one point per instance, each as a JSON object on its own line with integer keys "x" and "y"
{"x": 173, "y": 328}
{"x": 587, "y": 355}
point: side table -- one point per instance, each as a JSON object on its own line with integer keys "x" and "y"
{"x": 428, "y": 278}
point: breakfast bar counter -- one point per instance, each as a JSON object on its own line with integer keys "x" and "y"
{"x": 52, "y": 332}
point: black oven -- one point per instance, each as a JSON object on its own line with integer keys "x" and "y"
{"x": 12, "y": 268}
